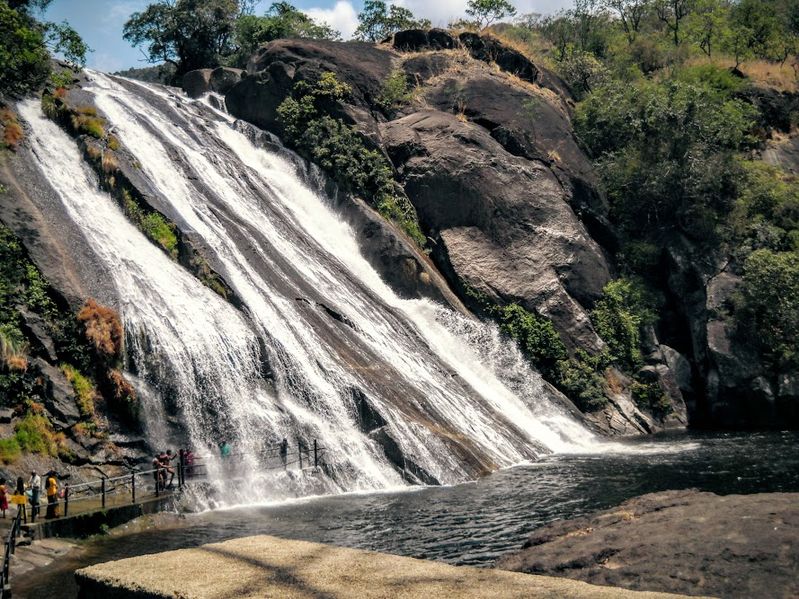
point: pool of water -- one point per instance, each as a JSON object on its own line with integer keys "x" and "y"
{"x": 477, "y": 522}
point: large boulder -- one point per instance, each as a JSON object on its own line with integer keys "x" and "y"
{"x": 503, "y": 223}
{"x": 201, "y": 81}
{"x": 528, "y": 123}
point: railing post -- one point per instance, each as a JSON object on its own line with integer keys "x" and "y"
{"x": 299, "y": 451}
{"x": 181, "y": 464}
{"x": 66, "y": 500}
{"x": 157, "y": 481}
{"x": 102, "y": 487}
{"x": 315, "y": 455}
{"x": 133, "y": 487}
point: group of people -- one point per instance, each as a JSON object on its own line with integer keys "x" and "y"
{"x": 31, "y": 493}
{"x": 162, "y": 466}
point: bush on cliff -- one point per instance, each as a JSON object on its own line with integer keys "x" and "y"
{"x": 340, "y": 150}
{"x": 768, "y": 308}
{"x": 618, "y": 316}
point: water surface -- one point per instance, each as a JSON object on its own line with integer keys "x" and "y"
{"x": 477, "y": 522}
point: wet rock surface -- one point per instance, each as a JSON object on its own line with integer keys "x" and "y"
{"x": 676, "y": 541}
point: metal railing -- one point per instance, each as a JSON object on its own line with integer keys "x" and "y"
{"x": 10, "y": 549}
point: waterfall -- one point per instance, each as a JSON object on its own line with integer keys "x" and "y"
{"x": 320, "y": 337}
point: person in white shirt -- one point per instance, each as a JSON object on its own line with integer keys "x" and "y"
{"x": 35, "y": 485}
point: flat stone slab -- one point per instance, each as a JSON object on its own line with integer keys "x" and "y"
{"x": 265, "y": 566}
{"x": 676, "y": 541}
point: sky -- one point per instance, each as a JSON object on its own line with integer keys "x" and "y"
{"x": 100, "y": 22}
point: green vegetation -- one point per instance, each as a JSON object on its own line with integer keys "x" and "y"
{"x": 395, "y": 92}
{"x": 768, "y": 309}
{"x": 281, "y": 20}
{"x": 84, "y": 390}
{"x": 151, "y": 223}
{"x": 579, "y": 377}
{"x": 618, "y": 318}
{"x": 378, "y": 20}
{"x": 194, "y": 34}
{"x": 485, "y": 12}
{"x": 34, "y": 434}
{"x": 342, "y": 152}
{"x": 25, "y": 44}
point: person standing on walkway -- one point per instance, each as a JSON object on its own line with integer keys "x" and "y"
{"x": 284, "y": 452}
{"x": 20, "y": 499}
{"x": 35, "y": 485}
{"x": 51, "y": 486}
{"x": 3, "y": 497}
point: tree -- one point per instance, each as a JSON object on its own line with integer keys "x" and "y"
{"x": 768, "y": 311}
{"x": 486, "y": 12}
{"x": 672, "y": 13}
{"x": 190, "y": 34}
{"x": 281, "y": 20}
{"x": 708, "y": 25}
{"x": 377, "y": 21}
{"x": 24, "y": 43}
{"x": 630, "y": 12}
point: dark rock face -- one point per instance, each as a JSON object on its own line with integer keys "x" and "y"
{"x": 491, "y": 50}
{"x": 416, "y": 40}
{"x": 528, "y": 124}
{"x": 676, "y": 541}
{"x": 201, "y": 81}
{"x": 502, "y": 221}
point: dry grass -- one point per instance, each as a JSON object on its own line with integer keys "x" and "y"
{"x": 614, "y": 382}
{"x": 110, "y": 163}
{"x": 102, "y": 328}
{"x": 123, "y": 390}
{"x": 13, "y": 352}
{"x": 12, "y": 131}
{"x": 772, "y": 75}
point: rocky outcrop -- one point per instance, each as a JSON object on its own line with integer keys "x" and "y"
{"x": 487, "y": 156}
{"x": 219, "y": 80}
{"x": 676, "y": 541}
{"x": 501, "y": 221}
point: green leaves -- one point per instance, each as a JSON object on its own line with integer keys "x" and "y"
{"x": 341, "y": 151}
{"x": 768, "y": 309}
{"x": 618, "y": 317}
{"x": 377, "y": 21}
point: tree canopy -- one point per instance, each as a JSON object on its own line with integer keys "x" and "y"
{"x": 377, "y": 21}
{"x": 194, "y": 34}
{"x": 26, "y": 43}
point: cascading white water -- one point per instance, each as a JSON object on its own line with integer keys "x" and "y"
{"x": 452, "y": 394}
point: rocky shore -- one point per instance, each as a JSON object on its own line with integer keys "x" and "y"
{"x": 677, "y": 541}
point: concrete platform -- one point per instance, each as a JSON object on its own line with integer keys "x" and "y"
{"x": 265, "y": 566}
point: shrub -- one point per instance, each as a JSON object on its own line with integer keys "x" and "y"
{"x": 395, "y": 92}
{"x": 102, "y": 328}
{"x": 536, "y": 336}
{"x": 35, "y": 434}
{"x": 767, "y": 310}
{"x": 9, "y": 450}
{"x": 13, "y": 349}
{"x": 113, "y": 143}
{"x": 650, "y": 397}
{"x": 123, "y": 394}
{"x": 90, "y": 125}
{"x": 12, "y": 131}
{"x": 160, "y": 231}
{"x": 341, "y": 151}
{"x": 84, "y": 390}
{"x": 618, "y": 317}
{"x": 580, "y": 380}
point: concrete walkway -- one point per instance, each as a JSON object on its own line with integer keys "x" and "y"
{"x": 266, "y": 566}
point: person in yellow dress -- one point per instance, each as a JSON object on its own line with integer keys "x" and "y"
{"x": 51, "y": 487}
{"x": 20, "y": 499}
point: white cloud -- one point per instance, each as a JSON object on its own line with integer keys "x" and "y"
{"x": 342, "y": 17}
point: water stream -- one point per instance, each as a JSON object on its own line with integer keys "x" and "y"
{"x": 319, "y": 330}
